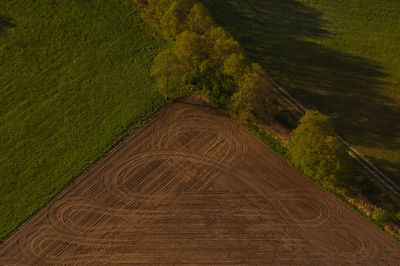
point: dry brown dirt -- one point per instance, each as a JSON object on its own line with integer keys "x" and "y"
{"x": 192, "y": 186}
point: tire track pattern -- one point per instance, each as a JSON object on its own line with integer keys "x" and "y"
{"x": 191, "y": 186}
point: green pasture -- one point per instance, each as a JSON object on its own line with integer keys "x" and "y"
{"x": 74, "y": 79}
{"x": 341, "y": 57}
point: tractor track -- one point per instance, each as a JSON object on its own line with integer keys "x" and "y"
{"x": 192, "y": 186}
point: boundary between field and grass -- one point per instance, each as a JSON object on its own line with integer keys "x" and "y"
{"x": 131, "y": 129}
{"x": 356, "y": 155}
{"x": 267, "y": 139}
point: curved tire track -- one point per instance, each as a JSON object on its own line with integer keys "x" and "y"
{"x": 191, "y": 186}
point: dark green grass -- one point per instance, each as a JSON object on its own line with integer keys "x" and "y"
{"x": 74, "y": 79}
{"x": 341, "y": 57}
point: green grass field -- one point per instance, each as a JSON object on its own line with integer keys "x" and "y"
{"x": 74, "y": 80}
{"x": 341, "y": 57}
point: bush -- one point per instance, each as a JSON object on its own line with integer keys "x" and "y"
{"x": 382, "y": 216}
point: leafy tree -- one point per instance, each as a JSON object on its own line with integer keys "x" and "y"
{"x": 172, "y": 21}
{"x": 235, "y": 66}
{"x": 168, "y": 72}
{"x": 154, "y": 10}
{"x": 221, "y": 47}
{"x": 183, "y": 9}
{"x": 199, "y": 20}
{"x": 169, "y": 22}
{"x": 315, "y": 150}
{"x": 218, "y": 47}
{"x": 167, "y": 16}
{"x": 190, "y": 50}
{"x": 254, "y": 98}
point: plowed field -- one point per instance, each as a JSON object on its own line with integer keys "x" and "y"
{"x": 192, "y": 186}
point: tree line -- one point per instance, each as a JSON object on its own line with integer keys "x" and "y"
{"x": 201, "y": 55}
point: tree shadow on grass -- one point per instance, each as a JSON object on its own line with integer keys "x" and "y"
{"x": 5, "y": 23}
{"x": 347, "y": 87}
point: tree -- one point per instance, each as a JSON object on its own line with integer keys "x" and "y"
{"x": 190, "y": 50}
{"x": 235, "y": 66}
{"x": 254, "y": 98}
{"x": 183, "y": 9}
{"x": 172, "y": 21}
{"x": 168, "y": 72}
{"x": 199, "y": 19}
{"x": 221, "y": 46}
{"x": 153, "y": 11}
{"x": 167, "y": 16}
{"x": 318, "y": 153}
{"x": 169, "y": 22}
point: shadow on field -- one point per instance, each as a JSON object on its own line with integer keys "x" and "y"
{"x": 5, "y": 23}
{"x": 273, "y": 33}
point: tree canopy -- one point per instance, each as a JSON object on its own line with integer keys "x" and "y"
{"x": 235, "y": 66}
{"x": 315, "y": 150}
{"x": 199, "y": 19}
{"x": 221, "y": 46}
{"x": 210, "y": 58}
{"x": 190, "y": 49}
{"x": 254, "y": 97}
{"x": 168, "y": 72}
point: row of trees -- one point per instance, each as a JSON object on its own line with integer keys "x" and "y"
{"x": 202, "y": 55}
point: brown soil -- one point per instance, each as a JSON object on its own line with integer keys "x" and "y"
{"x": 192, "y": 186}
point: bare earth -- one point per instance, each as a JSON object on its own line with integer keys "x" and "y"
{"x": 192, "y": 186}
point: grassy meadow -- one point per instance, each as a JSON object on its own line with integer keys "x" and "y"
{"x": 74, "y": 79}
{"x": 341, "y": 57}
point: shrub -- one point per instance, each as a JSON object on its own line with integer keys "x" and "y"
{"x": 382, "y": 216}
